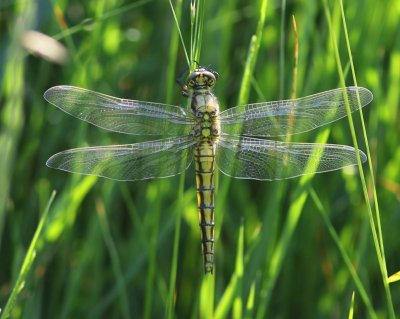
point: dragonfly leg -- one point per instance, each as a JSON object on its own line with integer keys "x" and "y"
{"x": 182, "y": 83}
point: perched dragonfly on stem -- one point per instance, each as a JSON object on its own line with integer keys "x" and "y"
{"x": 227, "y": 140}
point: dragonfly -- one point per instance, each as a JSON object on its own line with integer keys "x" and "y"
{"x": 235, "y": 141}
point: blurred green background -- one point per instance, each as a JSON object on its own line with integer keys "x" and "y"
{"x": 107, "y": 248}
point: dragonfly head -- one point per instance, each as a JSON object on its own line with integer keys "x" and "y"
{"x": 202, "y": 78}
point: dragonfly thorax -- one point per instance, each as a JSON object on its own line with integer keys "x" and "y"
{"x": 204, "y": 104}
{"x": 205, "y": 108}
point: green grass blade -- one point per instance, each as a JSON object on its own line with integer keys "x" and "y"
{"x": 67, "y": 206}
{"x": 247, "y": 79}
{"x": 175, "y": 251}
{"x": 155, "y": 209}
{"x": 239, "y": 271}
{"x": 28, "y": 261}
{"x": 173, "y": 52}
{"x": 350, "y": 267}
{"x": 116, "y": 264}
{"x": 250, "y": 302}
{"x": 351, "y": 310}
{"x": 232, "y": 297}
{"x": 282, "y": 51}
{"x": 274, "y": 267}
{"x": 395, "y": 277}
{"x": 207, "y": 290}
{"x": 177, "y": 21}
{"x": 252, "y": 55}
{"x": 376, "y": 229}
{"x": 196, "y": 32}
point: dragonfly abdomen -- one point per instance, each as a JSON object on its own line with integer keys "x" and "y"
{"x": 204, "y": 157}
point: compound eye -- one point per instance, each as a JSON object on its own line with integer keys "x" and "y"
{"x": 216, "y": 74}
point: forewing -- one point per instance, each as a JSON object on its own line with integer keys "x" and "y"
{"x": 120, "y": 115}
{"x": 160, "y": 158}
{"x": 270, "y": 160}
{"x": 281, "y": 118}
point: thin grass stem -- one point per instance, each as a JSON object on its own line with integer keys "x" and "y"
{"x": 282, "y": 51}
{"x": 28, "y": 261}
{"x": 377, "y": 241}
{"x": 180, "y": 33}
{"x": 175, "y": 251}
{"x": 173, "y": 52}
{"x": 116, "y": 264}
{"x": 356, "y": 279}
{"x": 252, "y": 55}
{"x": 372, "y": 177}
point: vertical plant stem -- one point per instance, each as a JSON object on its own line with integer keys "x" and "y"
{"x": 356, "y": 279}
{"x": 377, "y": 241}
{"x": 297, "y": 203}
{"x": 232, "y": 294}
{"x": 175, "y": 252}
{"x": 351, "y": 310}
{"x": 372, "y": 177}
{"x": 177, "y": 20}
{"x": 294, "y": 83}
{"x": 296, "y": 59}
{"x": 246, "y": 83}
{"x": 116, "y": 264}
{"x": 170, "y": 82}
{"x": 28, "y": 261}
{"x": 150, "y": 280}
{"x": 173, "y": 51}
{"x": 196, "y": 32}
{"x": 282, "y": 52}
{"x": 252, "y": 56}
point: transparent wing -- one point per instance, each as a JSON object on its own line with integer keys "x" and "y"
{"x": 119, "y": 115}
{"x": 281, "y": 118}
{"x": 160, "y": 158}
{"x": 270, "y": 160}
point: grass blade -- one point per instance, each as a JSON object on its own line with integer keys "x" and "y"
{"x": 116, "y": 264}
{"x": 252, "y": 55}
{"x": 232, "y": 294}
{"x": 356, "y": 279}
{"x": 175, "y": 251}
{"x": 207, "y": 297}
{"x": 28, "y": 261}
{"x": 177, "y": 21}
{"x": 196, "y": 31}
{"x": 376, "y": 229}
{"x": 351, "y": 310}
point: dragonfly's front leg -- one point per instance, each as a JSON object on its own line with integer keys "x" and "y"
{"x": 182, "y": 83}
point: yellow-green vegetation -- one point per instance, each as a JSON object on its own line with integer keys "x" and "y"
{"x": 323, "y": 246}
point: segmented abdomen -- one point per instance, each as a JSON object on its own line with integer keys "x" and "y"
{"x": 204, "y": 156}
